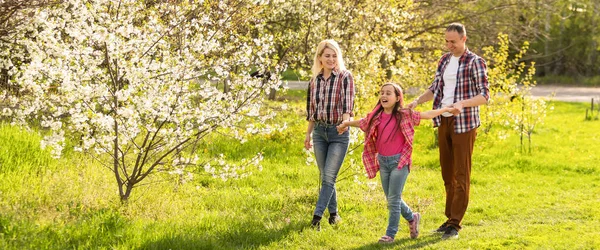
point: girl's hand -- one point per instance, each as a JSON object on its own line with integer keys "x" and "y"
{"x": 307, "y": 144}
{"x": 342, "y": 128}
{"x": 412, "y": 105}
{"x": 452, "y": 110}
{"x": 457, "y": 108}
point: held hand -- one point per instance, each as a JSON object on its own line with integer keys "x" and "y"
{"x": 456, "y": 108}
{"x": 412, "y": 105}
{"x": 342, "y": 128}
{"x": 307, "y": 144}
{"x": 452, "y": 110}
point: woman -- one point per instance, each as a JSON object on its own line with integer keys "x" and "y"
{"x": 329, "y": 102}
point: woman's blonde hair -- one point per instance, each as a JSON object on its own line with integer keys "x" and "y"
{"x": 331, "y": 44}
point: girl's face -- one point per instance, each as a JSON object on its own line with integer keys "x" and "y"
{"x": 388, "y": 97}
{"x": 328, "y": 59}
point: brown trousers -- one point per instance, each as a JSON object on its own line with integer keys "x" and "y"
{"x": 455, "y": 161}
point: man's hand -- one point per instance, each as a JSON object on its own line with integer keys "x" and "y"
{"x": 458, "y": 107}
{"x": 452, "y": 110}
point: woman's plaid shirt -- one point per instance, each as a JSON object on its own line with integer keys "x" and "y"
{"x": 410, "y": 119}
{"x": 327, "y": 101}
{"x": 471, "y": 80}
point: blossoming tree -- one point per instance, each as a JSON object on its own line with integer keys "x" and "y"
{"x": 138, "y": 83}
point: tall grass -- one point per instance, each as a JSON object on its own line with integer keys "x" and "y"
{"x": 547, "y": 199}
{"x": 20, "y": 151}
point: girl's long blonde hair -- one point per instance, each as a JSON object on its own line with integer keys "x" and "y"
{"x": 331, "y": 44}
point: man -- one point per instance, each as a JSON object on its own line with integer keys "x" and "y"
{"x": 461, "y": 82}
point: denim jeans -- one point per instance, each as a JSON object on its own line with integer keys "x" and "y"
{"x": 393, "y": 180}
{"x": 330, "y": 150}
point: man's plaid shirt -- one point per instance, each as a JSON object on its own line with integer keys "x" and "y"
{"x": 471, "y": 80}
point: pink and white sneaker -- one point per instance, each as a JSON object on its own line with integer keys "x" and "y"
{"x": 414, "y": 225}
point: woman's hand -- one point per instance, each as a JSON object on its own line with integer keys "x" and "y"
{"x": 307, "y": 144}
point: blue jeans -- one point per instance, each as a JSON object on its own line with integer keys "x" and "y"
{"x": 330, "y": 150}
{"x": 393, "y": 180}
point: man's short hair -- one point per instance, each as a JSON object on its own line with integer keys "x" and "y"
{"x": 458, "y": 27}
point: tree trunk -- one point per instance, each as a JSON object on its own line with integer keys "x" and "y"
{"x": 547, "y": 26}
{"x": 593, "y": 55}
{"x": 226, "y": 87}
{"x": 521, "y": 128}
{"x": 272, "y": 94}
{"x": 529, "y": 138}
{"x": 125, "y": 196}
{"x": 558, "y": 68}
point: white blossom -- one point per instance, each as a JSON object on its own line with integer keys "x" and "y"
{"x": 152, "y": 72}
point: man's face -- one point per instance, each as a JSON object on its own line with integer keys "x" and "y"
{"x": 455, "y": 43}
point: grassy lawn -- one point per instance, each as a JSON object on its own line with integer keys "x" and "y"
{"x": 548, "y": 199}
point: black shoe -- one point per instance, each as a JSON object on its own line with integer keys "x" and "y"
{"x": 316, "y": 225}
{"x": 442, "y": 228}
{"x": 451, "y": 233}
{"x": 334, "y": 219}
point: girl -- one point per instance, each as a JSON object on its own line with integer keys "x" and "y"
{"x": 329, "y": 101}
{"x": 389, "y": 130}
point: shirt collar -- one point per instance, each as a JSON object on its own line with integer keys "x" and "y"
{"x": 334, "y": 72}
{"x": 464, "y": 53}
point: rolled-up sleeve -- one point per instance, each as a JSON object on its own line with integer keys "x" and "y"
{"x": 479, "y": 74}
{"x": 363, "y": 124}
{"x": 308, "y": 102}
{"x": 348, "y": 94}
{"x": 416, "y": 118}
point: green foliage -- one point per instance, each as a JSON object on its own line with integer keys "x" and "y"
{"x": 291, "y": 75}
{"x": 22, "y": 152}
{"x": 571, "y": 47}
{"x": 591, "y": 81}
{"x": 511, "y": 105}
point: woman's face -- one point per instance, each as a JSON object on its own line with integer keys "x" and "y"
{"x": 388, "y": 97}
{"x": 328, "y": 59}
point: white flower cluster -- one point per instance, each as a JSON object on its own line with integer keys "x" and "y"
{"x": 141, "y": 81}
{"x": 225, "y": 171}
{"x": 310, "y": 155}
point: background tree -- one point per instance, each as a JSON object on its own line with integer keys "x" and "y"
{"x": 13, "y": 15}
{"x": 569, "y": 46}
{"x": 136, "y": 82}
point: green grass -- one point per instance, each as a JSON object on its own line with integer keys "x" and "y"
{"x": 292, "y": 75}
{"x": 547, "y": 199}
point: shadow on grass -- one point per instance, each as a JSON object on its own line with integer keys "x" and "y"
{"x": 406, "y": 243}
{"x": 241, "y": 236}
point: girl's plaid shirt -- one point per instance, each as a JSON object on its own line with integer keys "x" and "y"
{"x": 471, "y": 80}
{"x": 327, "y": 101}
{"x": 410, "y": 119}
